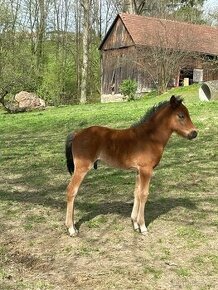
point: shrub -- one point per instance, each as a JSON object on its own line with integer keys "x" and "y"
{"x": 128, "y": 89}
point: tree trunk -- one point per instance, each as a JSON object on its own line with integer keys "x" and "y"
{"x": 129, "y": 6}
{"x": 40, "y": 34}
{"x": 84, "y": 76}
{"x": 77, "y": 57}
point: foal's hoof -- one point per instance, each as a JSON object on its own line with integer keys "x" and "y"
{"x": 143, "y": 230}
{"x": 135, "y": 226}
{"x": 144, "y": 233}
{"x": 73, "y": 231}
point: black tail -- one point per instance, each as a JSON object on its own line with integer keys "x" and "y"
{"x": 69, "y": 153}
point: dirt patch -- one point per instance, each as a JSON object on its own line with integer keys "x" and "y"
{"x": 111, "y": 256}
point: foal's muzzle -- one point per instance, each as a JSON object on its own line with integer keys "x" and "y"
{"x": 192, "y": 135}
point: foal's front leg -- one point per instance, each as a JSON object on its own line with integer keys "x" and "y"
{"x": 145, "y": 177}
{"x": 135, "y": 208}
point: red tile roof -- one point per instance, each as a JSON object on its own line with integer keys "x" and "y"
{"x": 151, "y": 31}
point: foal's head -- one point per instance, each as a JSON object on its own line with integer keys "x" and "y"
{"x": 180, "y": 120}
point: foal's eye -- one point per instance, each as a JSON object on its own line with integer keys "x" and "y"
{"x": 181, "y": 115}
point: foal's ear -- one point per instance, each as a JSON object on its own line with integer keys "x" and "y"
{"x": 175, "y": 102}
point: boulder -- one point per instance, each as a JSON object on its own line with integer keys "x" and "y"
{"x": 29, "y": 100}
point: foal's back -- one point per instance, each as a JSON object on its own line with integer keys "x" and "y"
{"x": 120, "y": 148}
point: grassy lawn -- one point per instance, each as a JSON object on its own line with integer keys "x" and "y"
{"x": 180, "y": 251}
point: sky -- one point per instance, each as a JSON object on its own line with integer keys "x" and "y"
{"x": 211, "y": 4}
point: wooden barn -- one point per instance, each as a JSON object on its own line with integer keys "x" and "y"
{"x": 145, "y": 48}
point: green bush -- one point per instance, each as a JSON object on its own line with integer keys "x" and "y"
{"x": 128, "y": 89}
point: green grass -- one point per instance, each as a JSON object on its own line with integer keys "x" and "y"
{"x": 183, "y": 272}
{"x": 181, "y": 213}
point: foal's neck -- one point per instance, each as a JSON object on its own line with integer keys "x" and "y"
{"x": 157, "y": 128}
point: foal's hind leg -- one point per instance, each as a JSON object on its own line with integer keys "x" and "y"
{"x": 72, "y": 190}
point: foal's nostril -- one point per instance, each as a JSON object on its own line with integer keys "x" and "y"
{"x": 193, "y": 134}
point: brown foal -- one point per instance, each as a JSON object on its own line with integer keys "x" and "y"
{"x": 139, "y": 147}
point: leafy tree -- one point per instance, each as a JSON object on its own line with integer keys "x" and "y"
{"x": 187, "y": 10}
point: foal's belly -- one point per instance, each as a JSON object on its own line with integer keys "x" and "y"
{"x": 121, "y": 163}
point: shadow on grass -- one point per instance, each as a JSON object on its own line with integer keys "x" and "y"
{"x": 153, "y": 210}
{"x": 90, "y": 210}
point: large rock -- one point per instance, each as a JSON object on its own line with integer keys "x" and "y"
{"x": 29, "y": 100}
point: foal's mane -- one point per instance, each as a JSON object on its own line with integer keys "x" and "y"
{"x": 150, "y": 112}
